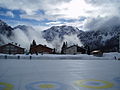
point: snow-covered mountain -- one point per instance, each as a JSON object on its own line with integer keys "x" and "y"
{"x": 5, "y": 29}
{"x": 59, "y": 32}
{"x": 5, "y": 32}
{"x": 24, "y": 27}
{"x": 105, "y": 38}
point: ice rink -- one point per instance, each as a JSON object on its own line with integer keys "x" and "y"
{"x": 59, "y": 74}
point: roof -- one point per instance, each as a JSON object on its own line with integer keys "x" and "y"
{"x": 42, "y": 46}
{"x": 12, "y": 45}
{"x": 78, "y": 47}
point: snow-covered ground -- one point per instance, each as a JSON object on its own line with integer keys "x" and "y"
{"x": 59, "y": 74}
{"x": 106, "y": 56}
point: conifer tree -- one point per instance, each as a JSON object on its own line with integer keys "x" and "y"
{"x": 34, "y": 43}
{"x": 63, "y": 48}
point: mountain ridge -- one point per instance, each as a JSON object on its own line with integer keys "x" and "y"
{"x": 99, "y": 39}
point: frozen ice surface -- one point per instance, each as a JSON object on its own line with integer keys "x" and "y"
{"x": 60, "y": 72}
{"x": 25, "y": 74}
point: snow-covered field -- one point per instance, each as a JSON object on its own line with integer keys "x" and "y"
{"x": 60, "y": 74}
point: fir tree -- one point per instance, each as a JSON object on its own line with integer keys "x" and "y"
{"x": 63, "y": 47}
{"x": 54, "y": 51}
{"x": 31, "y": 45}
{"x": 34, "y": 43}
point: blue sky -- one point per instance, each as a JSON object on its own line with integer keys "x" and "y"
{"x": 42, "y": 14}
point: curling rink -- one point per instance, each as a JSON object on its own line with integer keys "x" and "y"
{"x": 59, "y": 74}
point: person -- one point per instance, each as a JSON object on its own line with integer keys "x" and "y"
{"x": 18, "y": 57}
{"x": 30, "y": 57}
{"x": 5, "y": 56}
{"x": 115, "y": 57}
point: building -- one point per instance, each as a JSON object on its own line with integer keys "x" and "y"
{"x": 11, "y": 49}
{"x": 97, "y": 53}
{"x": 75, "y": 49}
{"x": 40, "y": 49}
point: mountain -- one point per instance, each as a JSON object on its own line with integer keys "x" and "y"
{"x": 105, "y": 39}
{"x": 5, "y": 32}
{"x": 5, "y": 29}
{"x": 59, "y": 32}
{"x": 24, "y": 27}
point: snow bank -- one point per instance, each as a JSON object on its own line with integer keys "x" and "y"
{"x": 106, "y": 56}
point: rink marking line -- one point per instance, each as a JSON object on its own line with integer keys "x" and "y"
{"x": 97, "y": 84}
{"x": 51, "y": 85}
{"x": 7, "y": 86}
{"x": 46, "y": 86}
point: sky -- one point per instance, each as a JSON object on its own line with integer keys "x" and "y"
{"x": 41, "y": 14}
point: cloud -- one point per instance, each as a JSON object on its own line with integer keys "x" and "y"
{"x": 105, "y": 7}
{"x": 54, "y": 9}
{"x": 101, "y": 23}
{"x": 72, "y": 10}
{"x": 72, "y": 40}
{"x": 21, "y": 38}
{"x": 9, "y": 13}
{"x": 106, "y": 14}
{"x": 4, "y": 39}
{"x": 54, "y": 23}
{"x": 102, "y": 2}
{"x": 31, "y": 5}
{"x": 50, "y": 12}
{"x": 38, "y": 17}
{"x": 25, "y": 38}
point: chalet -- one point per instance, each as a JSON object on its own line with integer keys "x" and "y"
{"x": 11, "y": 49}
{"x": 75, "y": 49}
{"x": 40, "y": 49}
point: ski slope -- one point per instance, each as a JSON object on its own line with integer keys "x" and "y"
{"x": 25, "y": 74}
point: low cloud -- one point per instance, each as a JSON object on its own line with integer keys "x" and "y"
{"x": 72, "y": 40}
{"x": 4, "y": 39}
{"x": 25, "y": 38}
